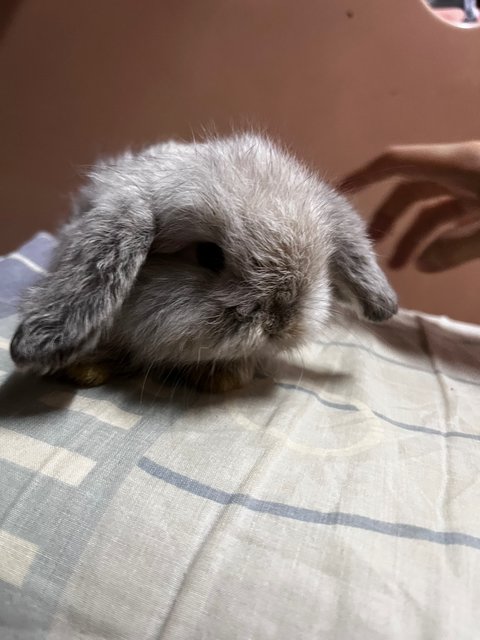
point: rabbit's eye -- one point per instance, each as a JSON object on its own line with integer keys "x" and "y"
{"x": 210, "y": 256}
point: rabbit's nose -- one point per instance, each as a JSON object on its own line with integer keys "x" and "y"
{"x": 279, "y": 316}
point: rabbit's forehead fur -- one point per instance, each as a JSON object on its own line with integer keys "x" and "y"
{"x": 244, "y": 192}
{"x": 268, "y": 213}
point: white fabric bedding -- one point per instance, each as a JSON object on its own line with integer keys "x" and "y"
{"x": 338, "y": 500}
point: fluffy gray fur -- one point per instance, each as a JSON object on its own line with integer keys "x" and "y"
{"x": 126, "y": 275}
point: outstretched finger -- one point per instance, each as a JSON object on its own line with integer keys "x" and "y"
{"x": 404, "y": 196}
{"x": 377, "y": 170}
{"x": 429, "y": 220}
{"x": 430, "y": 162}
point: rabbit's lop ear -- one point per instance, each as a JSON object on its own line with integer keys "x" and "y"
{"x": 97, "y": 261}
{"x": 358, "y": 281}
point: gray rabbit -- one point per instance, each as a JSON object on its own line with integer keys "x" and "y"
{"x": 205, "y": 258}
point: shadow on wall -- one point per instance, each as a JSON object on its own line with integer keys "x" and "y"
{"x": 337, "y": 81}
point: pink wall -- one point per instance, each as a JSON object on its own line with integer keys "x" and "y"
{"x": 336, "y": 79}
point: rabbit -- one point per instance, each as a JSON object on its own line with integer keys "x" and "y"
{"x": 205, "y": 258}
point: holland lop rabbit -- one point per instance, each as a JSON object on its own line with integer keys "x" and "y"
{"x": 205, "y": 258}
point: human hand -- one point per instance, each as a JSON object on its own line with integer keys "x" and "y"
{"x": 442, "y": 181}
